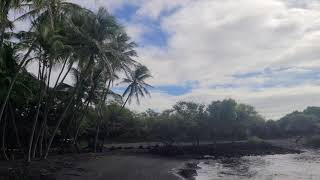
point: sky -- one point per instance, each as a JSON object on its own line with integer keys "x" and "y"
{"x": 260, "y": 52}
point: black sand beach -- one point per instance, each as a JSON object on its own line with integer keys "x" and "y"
{"x": 131, "y": 164}
{"x": 123, "y": 167}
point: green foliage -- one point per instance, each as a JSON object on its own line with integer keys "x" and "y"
{"x": 254, "y": 140}
{"x": 299, "y": 123}
{"x": 313, "y": 141}
{"x": 64, "y": 37}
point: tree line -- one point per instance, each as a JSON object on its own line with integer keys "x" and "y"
{"x": 224, "y": 120}
{"x": 91, "y": 47}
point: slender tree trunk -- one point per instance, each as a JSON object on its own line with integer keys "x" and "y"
{"x": 51, "y": 15}
{"x": 57, "y": 126}
{"x": 62, "y": 69}
{"x": 41, "y": 141}
{"x": 84, "y": 111}
{"x": 36, "y": 117}
{"x": 2, "y": 31}
{"x": 3, "y": 147}
{"x": 51, "y": 96}
{"x": 45, "y": 143}
{"x": 35, "y": 143}
{"x": 91, "y": 61}
{"x": 100, "y": 116}
{"x": 16, "y": 129}
{"x": 96, "y": 138}
{"x": 80, "y": 122}
{"x": 49, "y": 101}
{"x": 20, "y": 66}
{"x": 46, "y": 89}
{"x": 38, "y": 140}
{"x": 124, "y": 104}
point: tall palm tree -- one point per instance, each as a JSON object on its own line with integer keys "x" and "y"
{"x": 49, "y": 17}
{"x": 137, "y": 86}
{"x": 95, "y": 43}
{"x": 48, "y": 46}
{"x": 39, "y": 10}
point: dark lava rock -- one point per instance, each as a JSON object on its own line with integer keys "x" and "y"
{"x": 237, "y": 149}
{"x": 192, "y": 165}
{"x": 187, "y": 173}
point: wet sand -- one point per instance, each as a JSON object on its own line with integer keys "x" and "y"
{"x": 123, "y": 167}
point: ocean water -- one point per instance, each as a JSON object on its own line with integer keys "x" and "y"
{"x": 304, "y": 166}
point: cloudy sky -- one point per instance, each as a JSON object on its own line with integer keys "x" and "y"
{"x": 261, "y": 52}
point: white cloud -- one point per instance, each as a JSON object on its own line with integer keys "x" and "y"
{"x": 211, "y": 40}
{"x": 215, "y": 39}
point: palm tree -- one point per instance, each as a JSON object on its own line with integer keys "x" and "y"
{"x": 5, "y": 7}
{"x": 137, "y": 86}
{"x": 48, "y": 19}
{"x": 63, "y": 33}
{"x": 48, "y": 46}
{"x": 20, "y": 67}
{"x": 41, "y": 9}
{"x": 52, "y": 11}
{"x": 8, "y": 69}
{"x": 93, "y": 39}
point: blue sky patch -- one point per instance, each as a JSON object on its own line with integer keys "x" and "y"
{"x": 126, "y": 12}
{"x": 174, "y": 90}
{"x": 154, "y": 34}
{"x": 282, "y": 77}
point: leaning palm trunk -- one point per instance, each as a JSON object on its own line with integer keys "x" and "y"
{"x": 48, "y": 103}
{"x": 22, "y": 64}
{"x": 46, "y": 89}
{"x": 96, "y": 139}
{"x": 41, "y": 142}
{"x": 36, "y": 117}
{"x": 65, "y": 111}
{"x": 124, "y": 104}
{"x": 16, "y": 129}
{"x": 3, "y": 147}
{"x": 80, "y": 122}
{"x": 52, "y": 95}
{"x": 38, "y": 141}
{"x": 35, "y": 143}
{"x": 58, "y": 125}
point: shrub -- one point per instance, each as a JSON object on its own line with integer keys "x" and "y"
{"x": 313, "y": 141}
{"x": 254, "y": 140}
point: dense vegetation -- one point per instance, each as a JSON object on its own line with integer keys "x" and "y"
{"x": 73, "y": 41}
{"x": 40, "y": 113}
{"x": 218, "y": 121}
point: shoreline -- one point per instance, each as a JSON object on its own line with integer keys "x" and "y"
{"x": 121, "y": 164}
{"x": 125, "y": 166}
